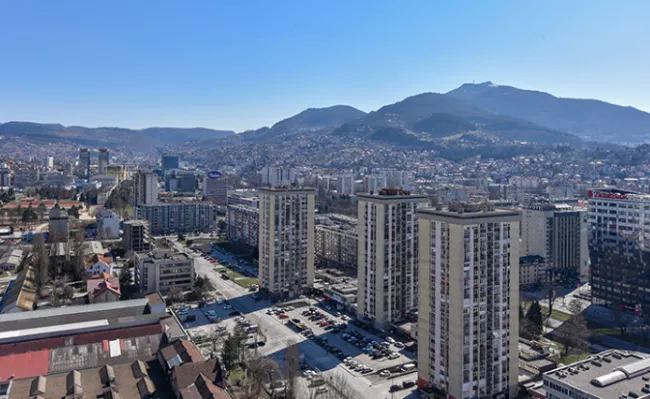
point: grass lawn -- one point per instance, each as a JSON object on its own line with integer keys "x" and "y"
{"x": 556, "y": 314}
{"x": 233, "y": 275}
{"x": 247, "y": 282}
{"x": 236, "y": 374}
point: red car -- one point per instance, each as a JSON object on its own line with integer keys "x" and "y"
{"x": 323, "y": 324}
{"x": 283, "y": 316}
{"x": 213, "y": 261}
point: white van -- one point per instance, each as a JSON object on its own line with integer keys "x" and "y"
{"x": 408, "y": 367}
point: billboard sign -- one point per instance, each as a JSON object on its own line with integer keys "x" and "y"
{"x": 214, "y": 175}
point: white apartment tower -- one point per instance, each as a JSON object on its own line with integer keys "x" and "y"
{"x": 278, "y": 177}
{"x": 286, "y": 241}
{"x": 387, "y": 258}
{"x": 468, "y": 319}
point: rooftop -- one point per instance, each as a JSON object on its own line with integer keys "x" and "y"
{"x": 468, "y": 213}
{"x": 607, "y": 375}
{"x": 287, "y": 189}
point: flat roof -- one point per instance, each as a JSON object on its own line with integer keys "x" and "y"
{"x": 399, "y": 197}
{"x": 617, "y": 371}
{"x": 293, "y": 190}
{"x": 506, "y": 215}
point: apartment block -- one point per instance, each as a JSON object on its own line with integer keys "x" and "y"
{"x": 336, "y": 240}
{"x": 179, "y": 217}
{"x": 162, "y": 269}
{"x": 387, "y": 255}
{"x": 145, "y": 188}
{"x": 468, "y": 302}
{"x": 243, "y": 225}
{"x": 278, "y": 177}
{"x": 286, "y": 241}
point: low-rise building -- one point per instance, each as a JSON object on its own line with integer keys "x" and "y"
{"x": 243, "y": 225}
{"x": 611, "y": 374}
{"x": 162, "y": 269}
{"x": 108, "y": 224}
{"x": 21, "y": 292}
{"x": 103, "y": 290}
{"x": 532, "y": 271}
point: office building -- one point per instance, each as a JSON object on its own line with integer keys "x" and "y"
{"x": 278, "y": 177}
{"x": 179, "y": 217}
{"x": 162, "y": 269}
{"x": 145, "y": 188}
{"x": 84, "y": 163}
{"x": 336, "y": 241}
{"x": 243, "y": 225}
{"x": 558, "y": 233}
{"x": 612, "y": 374}
{"x": 49, "y": 163}
{"x": 532, "y": 271}
{"x": 181, "y": 181}
{"x": 103, "y": 161}
{"x": 286, "y": 241}
{"x": 58, "y": 225}
{"x": 108, "y": 224}
{"x": 619, "y": 248}
{"x": 170, "y": 162}
{"x": 468, "y": 318}
{"x": 5, "y": 176}
{"x": 387, "y": 255}
{"x": 216, "y": 190}
{"x": 136, "y": 236}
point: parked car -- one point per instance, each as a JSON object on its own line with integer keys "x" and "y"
{"x": 395, "y": 388}
{"x": 283, "y": 316}
{"x": 235, "y": 313}
{"x": 398, "y": 345}
{"x": 408, "y": 384}
{"x": 384, "y": 373}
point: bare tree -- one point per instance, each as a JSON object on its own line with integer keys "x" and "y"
{"x": 339, "y": 388}
{"x": 258, "y": 370}
{"x": 41, "y": 259}
{"x": 551, "y": 296}
{"x": 78, "y": 263}
{"x": 291, "y": 368}
{"x": 621, "y": 317}
{"x": 573, "y": 333}
{"x": 217, "y": 336}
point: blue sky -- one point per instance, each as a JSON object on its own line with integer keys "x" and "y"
{"x": 245, "y": 64}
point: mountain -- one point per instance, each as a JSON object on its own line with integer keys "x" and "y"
{"x": 431, "y": 116}
{"x": 589, "y": 119}
{"x": 310, "y": 120}
{"x": 142, "y": 139}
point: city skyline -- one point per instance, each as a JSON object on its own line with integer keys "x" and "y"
{"x": 224, "y": 66}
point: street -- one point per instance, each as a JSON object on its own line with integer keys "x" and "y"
{"x": 279, "y": 336}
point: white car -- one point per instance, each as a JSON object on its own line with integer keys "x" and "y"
{"x": 393, "y": 356}
{"x": 227, "y": 307}
{"x": 384, "y": 373}
{"x": 390, "y": 340}
{"x": 399, "y": 345}
{"x": 309, "y": 373}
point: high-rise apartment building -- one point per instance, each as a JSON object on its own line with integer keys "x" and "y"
{"x": 374, "y": 183}
{"x": 619, "y": 248}
{"x": 278, "y": 177}
{"x": 145, "y": 188}
{"x": 84, "y": 163}
{"x": 558, "y": 233}
{"x": 179, "y": 217}
{"x": 286, "y": 241}
{"x": 103, "y": 161}
{"x": 346, "y": 184}
{"x": 387, "y": 255}
{"x": 468, "y": 303}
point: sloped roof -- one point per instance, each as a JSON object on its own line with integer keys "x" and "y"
{"x": 23, "y": 291}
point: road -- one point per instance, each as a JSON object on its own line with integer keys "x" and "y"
{"x": 278, "y": 336}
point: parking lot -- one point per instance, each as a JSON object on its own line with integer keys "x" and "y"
{"x": 361, "y": 352}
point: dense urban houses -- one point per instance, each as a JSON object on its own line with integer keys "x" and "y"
{"x": 619, "y": 247}
{"x": 559, "y": 234}
{"x": 286, "y": 241}
{"x": 469, "y": 299}
{"x": 387, "y": 255}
